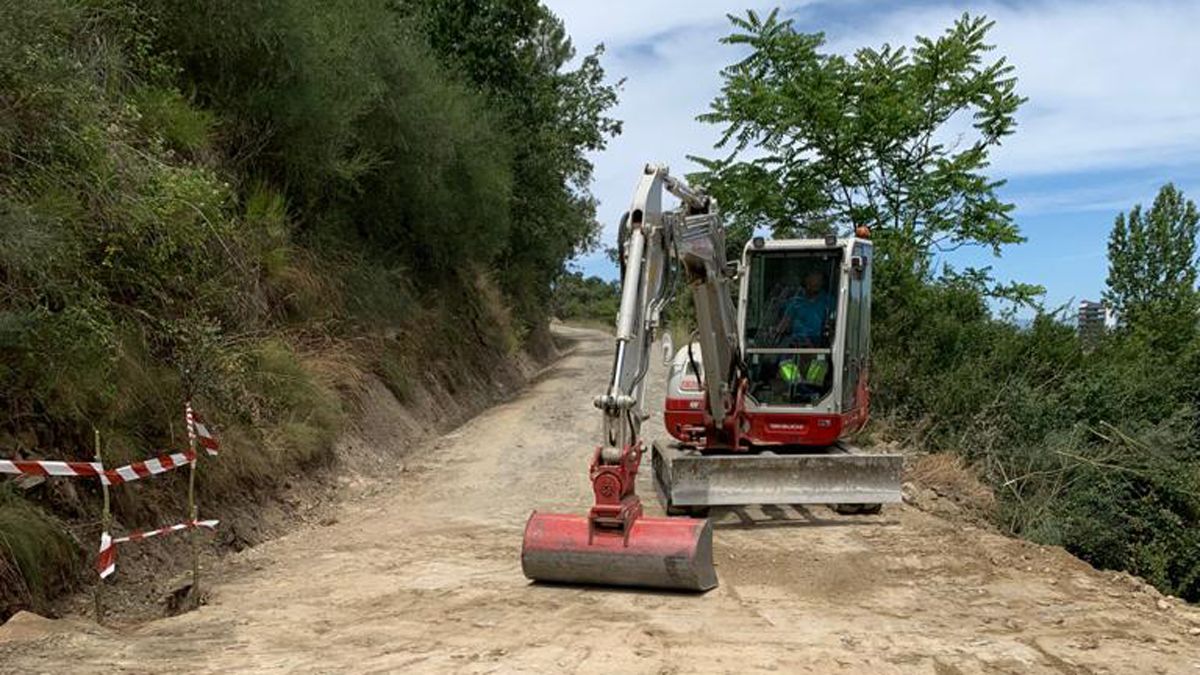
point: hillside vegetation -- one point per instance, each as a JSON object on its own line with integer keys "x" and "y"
{"x": 252, "y": 203}
{"x": 586, "y": 298}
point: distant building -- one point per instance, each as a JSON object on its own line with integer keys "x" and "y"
{"x": 1094, "y": 319}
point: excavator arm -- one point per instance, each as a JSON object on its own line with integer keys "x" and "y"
{"x": 658, "y": 246}
{"x": 615, "y": 544}
{"x": 700, "y": 252}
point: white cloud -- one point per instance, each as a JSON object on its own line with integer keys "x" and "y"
{"x": 669, "y": 56}
{"x": 1112, "y": 86}
{"x": 624, "y": 22}
{"x": 1104, "y": 194}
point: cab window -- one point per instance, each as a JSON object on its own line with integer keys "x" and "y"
{"x": 791, "y": 315}
{"x": 792, "y": 299}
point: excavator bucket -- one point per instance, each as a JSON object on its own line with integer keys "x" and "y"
{"x": 666, "y": 553}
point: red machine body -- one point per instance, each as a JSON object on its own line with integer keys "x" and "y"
{"x": 685, "y": 419}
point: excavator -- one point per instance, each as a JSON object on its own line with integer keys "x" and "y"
{"x": 758, "y": 403}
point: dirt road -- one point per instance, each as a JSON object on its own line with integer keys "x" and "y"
{"x": 425, "y": 576}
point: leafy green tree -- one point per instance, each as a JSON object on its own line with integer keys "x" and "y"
{"x": 894, "y": 138}
{"x": 579, "y": 297}
{"x": 346, "y": 108}
{"x": 1152, "y": 268}
{"x": 899, "y": 139}
{"x": 515, "y": 52}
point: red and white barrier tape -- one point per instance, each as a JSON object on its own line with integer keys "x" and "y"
{"x": 147, "y": 468}
{"x": 123, "y": 474}
{"x": 41, "y": 468}
{"x": 106, "y": 562}
{"x": 198, "y": 432}
{"x": 139, "y": 535}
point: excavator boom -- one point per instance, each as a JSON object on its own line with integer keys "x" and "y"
{"x": 614, "y": 543}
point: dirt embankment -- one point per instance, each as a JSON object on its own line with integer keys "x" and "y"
{"x": 419, "y": 570}
{"x": 155, "y": 574}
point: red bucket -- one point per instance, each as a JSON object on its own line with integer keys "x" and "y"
{"x": 670, "y": 553}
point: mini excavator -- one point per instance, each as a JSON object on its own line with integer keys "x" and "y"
{"x": 758, "y": 402}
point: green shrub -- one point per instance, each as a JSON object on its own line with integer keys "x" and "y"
{"x": 1095, "y": 450}
{"x": 591, "y": 298}
{"x": 37, "y": 556}
{"x": 343, "y": 104}
{"x": 165, "y": 114}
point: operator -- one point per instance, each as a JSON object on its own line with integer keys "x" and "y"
{"x": 804, "y": 316}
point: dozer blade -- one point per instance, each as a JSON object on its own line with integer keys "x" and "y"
{"x": 841, "y": 476}
{"x": 667, "y": 553}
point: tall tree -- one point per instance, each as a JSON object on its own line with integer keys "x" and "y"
{"x": 1152, "y": 268}
{"x": 516, "y": 52}
{"x": 894, "y": 138}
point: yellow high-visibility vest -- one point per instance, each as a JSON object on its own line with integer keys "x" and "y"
{"x": 789, "y": 371}
{"x": 817, "y": 369}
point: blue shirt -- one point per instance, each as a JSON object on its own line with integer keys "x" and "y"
{"x": 808, "y": 316}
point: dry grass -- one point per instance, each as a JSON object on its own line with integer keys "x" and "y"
{"x": 950, "y": 477}
{"x": 497, "y": 312}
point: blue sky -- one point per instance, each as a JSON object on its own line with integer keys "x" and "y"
{"x": 1113, "y": 111}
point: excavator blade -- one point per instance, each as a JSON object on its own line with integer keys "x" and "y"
{"x": 666, "y": 553}
{"x": 843, "y": 475}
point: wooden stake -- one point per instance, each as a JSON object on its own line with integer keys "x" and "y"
{"x": 105, "y": 519}
{"x": 194, "y": 515}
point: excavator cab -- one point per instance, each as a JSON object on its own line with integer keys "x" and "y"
{"x": 803, "y": 321}
{"x": 805, "y": 318}
{"x": 789, "y": 321}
